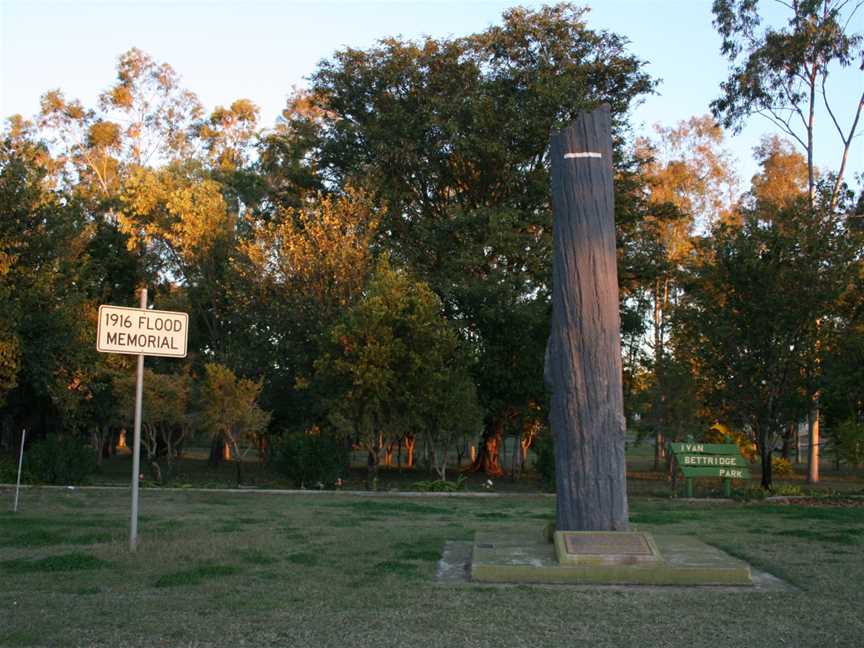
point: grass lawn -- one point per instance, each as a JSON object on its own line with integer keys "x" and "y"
{"x": 254, "y": 569}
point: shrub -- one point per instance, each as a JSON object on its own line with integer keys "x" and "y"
{"x": 849, "y": 442}
{"x": 311, "y": 459}
{"x": 787, "y": 490}
{"x": 781, "y": 467}
{"x": 441, "y": 485}
{"x": 61, "y": 460}
{"x": 745, "y": 443}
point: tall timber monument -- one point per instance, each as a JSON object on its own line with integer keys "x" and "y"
{"x": 583, "y": 355}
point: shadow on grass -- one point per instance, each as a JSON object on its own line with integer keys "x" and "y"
{"x": 837, "y": 536}
{"x": 196, "y": 575}
{"x": 305, "y": 559}
{"x": 61, "y": 563}
{"x": 396, "y": 568}
{"x": 425, "y": 549}
{"x": 49, "y": 538}
{"x": 390, "y": 508}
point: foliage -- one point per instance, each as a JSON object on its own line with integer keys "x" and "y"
{"x": 441, "y": 485}
{"x": 165, "y": 414}
{"x": 780, "y": 72}
{"x": 747, "y": 352}
{"x": 394, "y": 365}
{"x": 848, "y": 442}
{"x": 311, "y": 458}
{"x": 544, "y": 461}
{"x": 60, "y": 460}
{"x": 781, "y": 467}
{"x": 719, "y": 433}
{"x": 450, "y": 138}
{"x": 783, "y": 177}
{"x": 227, "y": 409}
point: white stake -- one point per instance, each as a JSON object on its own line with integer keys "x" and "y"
{"x": 136, "y": 444}
{"x": 20, "y": 461}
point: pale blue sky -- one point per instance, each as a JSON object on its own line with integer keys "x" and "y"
{"x": 260, "y": 49}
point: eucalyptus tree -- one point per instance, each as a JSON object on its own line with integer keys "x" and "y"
{"x": 748, "y": 318}
{"x": 450, "y": 136}
{"x": 783, "y": 72}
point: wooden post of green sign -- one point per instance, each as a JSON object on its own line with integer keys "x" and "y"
{"x": 727, "y": 488}
{"x": 689, "y": 487}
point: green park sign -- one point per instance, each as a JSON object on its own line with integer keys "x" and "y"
{"x": 717, "y": 460}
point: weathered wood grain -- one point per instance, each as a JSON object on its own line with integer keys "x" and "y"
{"x": 583, "y": 358}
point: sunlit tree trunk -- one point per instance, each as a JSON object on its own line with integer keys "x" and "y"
{"x": 488, "y": 458}
{"x": 813, "y": 439}
{"x": 410, "y": 444}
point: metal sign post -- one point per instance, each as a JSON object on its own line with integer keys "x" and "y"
{"x": 20, "y": 461}
{"x": 136, "y": 443}
{"x": 140, "y": 332}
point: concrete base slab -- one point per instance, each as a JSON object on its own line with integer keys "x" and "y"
{"x": 527, "y": 559}
{"x": 454, "y": 570}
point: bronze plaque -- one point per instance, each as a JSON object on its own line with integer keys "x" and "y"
{"x": 619, "y": 544}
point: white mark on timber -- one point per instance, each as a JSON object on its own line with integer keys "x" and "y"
{"x": 569, "y": 156}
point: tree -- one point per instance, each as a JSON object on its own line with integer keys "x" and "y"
{"x": 296, "y": 275}
{"x": 690, "y": 183}
{"x": 165, "y": 414}
{"x": 450, "y": 137}
{"x": 783, "y": 177}
{"x": 782, "y": 72}
{"x": 43, "y": 262}
{"x": 392, "y": 365}
{"x": 228, "y": 410}
{"x": 179, "y": 219}
{"x": 747, "y": 319}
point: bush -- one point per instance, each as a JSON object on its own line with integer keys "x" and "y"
{"x": 8, "y": 470}
{"x": 60, "y": 460}
{"x": 849, "y": 442}
{"x": 544, "y": 463}
{"x": 441, "y": 486}
{"x": 745, "y": 443}
{"x": 781, "y": 467}
{"x": 311, "y": 459}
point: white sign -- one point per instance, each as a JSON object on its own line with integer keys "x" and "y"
{"x": 140, "y": 331}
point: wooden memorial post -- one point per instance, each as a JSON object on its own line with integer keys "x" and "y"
{"x": 583, "y": 355}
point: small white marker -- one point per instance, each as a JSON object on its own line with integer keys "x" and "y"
{"x": 569, "y": 156}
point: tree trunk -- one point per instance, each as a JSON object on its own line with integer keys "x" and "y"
{"x": 767, "y": 476}
{"x": 488, "y": 459}
{"x": 372, "y": 462}
{"x": 786, "y": 449}
{"x": 583, "y": 355}
{"x": 660, "y": 298}
{"x": 237, "y": 462}
{"x": 217, "y": 446}
{"x": 813, "y": 439}
{"x": 410, "y": 444}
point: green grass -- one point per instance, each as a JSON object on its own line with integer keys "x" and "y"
{"x": 62, "y": 563}
{"x": 196, "y": 575}
{"x": 221, "y": 569}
